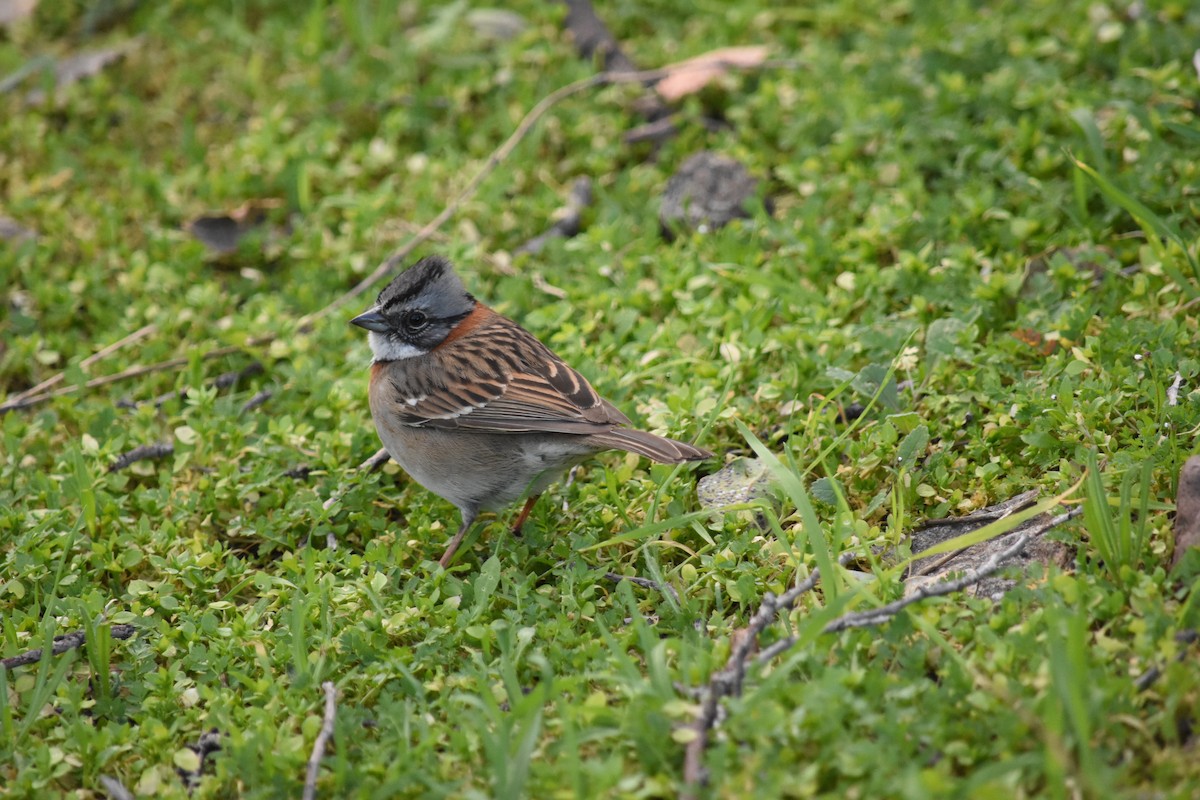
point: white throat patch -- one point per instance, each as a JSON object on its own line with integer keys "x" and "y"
{"x": 385, "y": 349}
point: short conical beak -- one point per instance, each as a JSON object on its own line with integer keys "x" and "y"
{"x": 372, "y": 320}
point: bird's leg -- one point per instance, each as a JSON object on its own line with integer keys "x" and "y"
{"x": 451, "y": 548}
{"x": 524, "y": 515}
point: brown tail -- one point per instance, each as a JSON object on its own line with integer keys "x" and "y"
{"x": 666, "y": 451}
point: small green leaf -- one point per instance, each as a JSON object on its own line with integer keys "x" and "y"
{"x": 486, "y": 583}
{"x": 876, "y": 379}
{"x": 1040, "y": 440}
{"x": 823, "y": 489}
{"x": 187, "y": 759}
{"x": 913, "y": 446}
{"x": 905, "y": 423}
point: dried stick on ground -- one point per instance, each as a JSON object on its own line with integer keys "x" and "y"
{"x": 323, "y": 737}
{"x": 132, "y": 372}
{"x": 1186, "y": 638}
{"x": 592, "y": 36}
{"x": 373, "y": 463}
{"x": 63, "y": 643}
{"x": 222, "y": 381}
{"x": 728, "y": 681}
{"x": 1018, "y": 540}
{"x": 104, "y": 352}
{"x": 494, "y": 160}
{"x": 498, "y": 156}
{"x": 145, "y": 452}
{"x": 989, "y": 514}
{"x": 258, "y": 399}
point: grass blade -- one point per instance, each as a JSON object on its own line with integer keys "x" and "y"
{"x": 1157, "y": 229}
{"x": 789, "y": 481}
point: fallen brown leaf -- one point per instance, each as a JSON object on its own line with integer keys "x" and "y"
{"x": 690, "y": 76}
{"x": 1030, "y": 337}
{"x": 221, "y": 233}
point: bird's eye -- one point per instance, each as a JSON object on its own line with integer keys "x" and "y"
{"x": 416, "y": 320}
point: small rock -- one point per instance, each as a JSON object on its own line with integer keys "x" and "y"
{"x": 738, "y": 482}
{"x": 1187, "y": 510}
{"x": 706, "y": 193}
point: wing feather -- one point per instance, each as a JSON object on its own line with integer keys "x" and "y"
{"x": 498, "y": 377}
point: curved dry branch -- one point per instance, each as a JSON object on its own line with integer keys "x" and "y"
{"x": 323, "y": 737}
{"x": 498, "y": 156}
{"x": 63, "y": 643}
{"x": 728, "y": 681}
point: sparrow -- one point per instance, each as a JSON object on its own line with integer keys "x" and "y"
{"x": 477, "y": 410}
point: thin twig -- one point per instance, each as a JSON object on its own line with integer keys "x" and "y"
{"x": 494, "y": 160}
{"x": 132, "y": 372}
{"x": 323, "y": 737}
{"x": 54, "y": 380}
{"x": 542, "y": 285}
{"x": 373, "y": 463}
{"x": 63, "y": 643}
{"x": 145, "y": 452}
{"x": 222, "y": 381}
{"x": 645, "y": 583}
{"x": 728, "y": 681}
{"x": 501, "y": 153}
{"x": 936, "y": 564}
{"x": 989, "y": 514}
{"x": 657, "y": 132}
{"x": 1186, "y": 638}
{"x": 376, "y": 461}
{"x": 875, "y": 616}
{"x": 258, "y": 399}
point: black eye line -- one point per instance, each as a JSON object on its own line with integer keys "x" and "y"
{"x": 443, "y": 320}
{"x": 429, "y": 321}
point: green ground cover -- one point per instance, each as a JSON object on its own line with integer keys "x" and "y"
{"x": 934, "y": 246}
